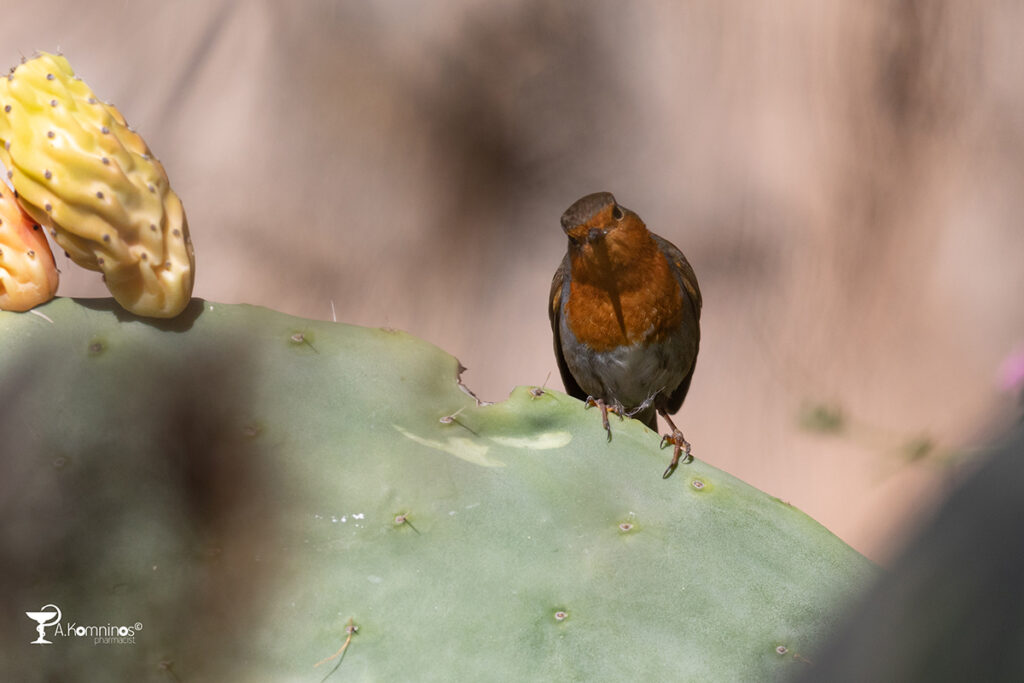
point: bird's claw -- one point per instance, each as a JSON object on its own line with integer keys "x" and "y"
{"x": 681, "y": 446}
{"x": 605, "y": 409}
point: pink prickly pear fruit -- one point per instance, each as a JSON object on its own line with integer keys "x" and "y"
{"x": 28, "y": 273}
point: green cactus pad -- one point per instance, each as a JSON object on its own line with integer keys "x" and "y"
{"x": 264, "y": 494}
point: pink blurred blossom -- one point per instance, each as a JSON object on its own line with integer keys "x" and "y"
{"x": 1011, "y": 372}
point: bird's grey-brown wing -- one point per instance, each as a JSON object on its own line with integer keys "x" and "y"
{"x": 683, "y": 272}
{"x": 688, "y": 283}
{"x": 555, "y": 315}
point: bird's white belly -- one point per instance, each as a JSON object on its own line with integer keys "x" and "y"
{"x": 627, "y": 375}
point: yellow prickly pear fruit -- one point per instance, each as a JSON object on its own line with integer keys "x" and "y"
{"x": 78, "y": 169}
{"x": 28, "y": 273}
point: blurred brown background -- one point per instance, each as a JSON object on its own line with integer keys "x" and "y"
{"x": 845, "y": 178}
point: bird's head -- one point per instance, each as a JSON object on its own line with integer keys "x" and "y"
{"x": 598, "y": 225}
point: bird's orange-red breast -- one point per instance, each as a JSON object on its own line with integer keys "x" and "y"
{"x": 625, "y": 313}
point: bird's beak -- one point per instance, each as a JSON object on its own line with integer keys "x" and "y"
{"x": 581, "y": 234}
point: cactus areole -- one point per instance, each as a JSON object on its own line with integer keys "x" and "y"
{"x": 81, "y": 172}
{"x": 279, "y": 499}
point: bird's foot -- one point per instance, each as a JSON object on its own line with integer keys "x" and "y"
{"x": 605, "y": 409}
{"x": 681, "y": 446}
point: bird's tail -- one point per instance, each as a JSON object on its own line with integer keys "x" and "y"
{"x": 649, "y": 416}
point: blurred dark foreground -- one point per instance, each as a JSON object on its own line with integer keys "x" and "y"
{"x": 952, "y": 608}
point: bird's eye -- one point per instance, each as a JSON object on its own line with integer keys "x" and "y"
{"x": 617, "y": 213}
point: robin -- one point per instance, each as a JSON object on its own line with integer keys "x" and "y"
{"x": 625, "y": 313}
